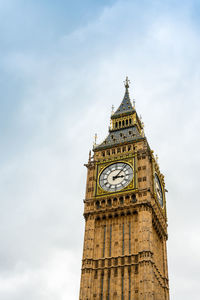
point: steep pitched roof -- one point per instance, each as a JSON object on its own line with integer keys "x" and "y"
{"x": 125, "y": 106}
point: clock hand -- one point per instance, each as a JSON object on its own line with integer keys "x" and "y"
{"x": 114, "y": 177}
{"x": 121, "y": 170}
{"x": 120, "y": 176}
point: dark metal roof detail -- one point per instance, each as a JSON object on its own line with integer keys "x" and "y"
{"x": 120, "y": 136}
{"x": 125, "y": 106}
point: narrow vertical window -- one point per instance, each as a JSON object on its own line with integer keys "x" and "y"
{"x": 104, "y": 240}
{"x": 108, "y": 298}
{"x": 122, "y": 286}
{"x": 102, "y": 286}
{"x": 129, "y": 238}
{"x": 129, "y": 285}
{"x": 110, "y": 246}
{"x": 123, "y": 239}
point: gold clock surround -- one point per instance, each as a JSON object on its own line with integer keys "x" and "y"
{"x": 100, "y": 168}
{"x": 156, "y": 171}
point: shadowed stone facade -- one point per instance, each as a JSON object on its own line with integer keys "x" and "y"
{"x": 124, "y": 252}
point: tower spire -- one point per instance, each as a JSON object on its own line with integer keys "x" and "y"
{"x": 125, "y": 106}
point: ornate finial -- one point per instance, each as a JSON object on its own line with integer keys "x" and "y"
{"x": 142, "y": 132}
{"x": 156, "y": 158}
{"x": 127, "y": 82}
{"x": 95, "y": 139}
{"x": 133, "y": 103}
{"x": 89, "y": 156}
{"x": 112, "y": 111}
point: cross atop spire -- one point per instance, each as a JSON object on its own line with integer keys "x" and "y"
{"x": 126, "y": 82}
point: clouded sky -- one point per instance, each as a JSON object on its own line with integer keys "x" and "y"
{"x": 62, "y": 66}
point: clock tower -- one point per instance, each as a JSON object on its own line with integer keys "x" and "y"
{"x": 124, "y": 252}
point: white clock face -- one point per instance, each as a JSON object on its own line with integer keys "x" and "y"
{"x": 158, "y": 190}
{"x": 116, "y": 177}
